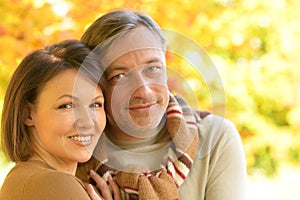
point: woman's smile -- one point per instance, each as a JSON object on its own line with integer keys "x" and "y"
{"x": 82, "y": 140}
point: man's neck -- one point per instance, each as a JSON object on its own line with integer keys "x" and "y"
{"x": 119, "y": 134}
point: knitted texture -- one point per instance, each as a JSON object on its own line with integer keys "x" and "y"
{"x": 137, "y": 182}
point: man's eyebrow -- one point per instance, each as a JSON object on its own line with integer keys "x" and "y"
{"x": 114, "y": 68}
{"x": 154, "y": 60}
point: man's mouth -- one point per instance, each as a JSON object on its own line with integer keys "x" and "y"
{"x": 142, "y": 107}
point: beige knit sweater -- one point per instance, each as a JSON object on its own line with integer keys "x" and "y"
{"x": 35, "y": 180}
{"x": 218, "y": 171}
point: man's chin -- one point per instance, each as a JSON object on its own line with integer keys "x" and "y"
{"x": 144, "y": 128}
{"x": 146, "y": 122}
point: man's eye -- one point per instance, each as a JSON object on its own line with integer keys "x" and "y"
{"x": 117, "y": 77}
{"x": 153, "y": 71}
{"x": 153, "y": 68}
{"x": 66, "y": 106}
{"x": 96, "y": 105}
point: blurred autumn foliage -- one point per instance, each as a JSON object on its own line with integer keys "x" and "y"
{"x": 254, "y": 45}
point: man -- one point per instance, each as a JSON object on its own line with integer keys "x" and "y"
{"x": 155, "y": 145}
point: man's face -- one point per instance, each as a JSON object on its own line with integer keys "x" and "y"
{"x": 136, "y": 91}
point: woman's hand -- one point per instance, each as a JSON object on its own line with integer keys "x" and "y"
{"x": 104, "y": 189}
{"x": 94, "y": 195}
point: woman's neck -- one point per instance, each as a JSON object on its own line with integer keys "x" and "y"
{"x": 56, "y": 163}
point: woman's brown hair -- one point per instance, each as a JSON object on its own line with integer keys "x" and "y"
{"x": 35, "y": 70}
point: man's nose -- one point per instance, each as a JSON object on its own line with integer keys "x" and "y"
{"x": 141, "y": 86}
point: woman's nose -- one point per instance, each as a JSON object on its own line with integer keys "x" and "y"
{"x": 84, "y": 118}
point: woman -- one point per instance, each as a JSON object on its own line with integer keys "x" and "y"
{"x": 53, "y": 115}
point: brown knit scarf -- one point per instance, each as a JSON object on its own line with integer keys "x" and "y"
{"x": 163, "y": 183}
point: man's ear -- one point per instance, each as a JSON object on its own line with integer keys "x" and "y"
{"x": 27, "y": 114}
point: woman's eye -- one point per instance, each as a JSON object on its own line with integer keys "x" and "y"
{"x": 66, "y": 106}
{"x": 96, "y": 105}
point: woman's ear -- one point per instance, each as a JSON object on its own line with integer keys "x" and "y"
{"x": 27, "y": 114}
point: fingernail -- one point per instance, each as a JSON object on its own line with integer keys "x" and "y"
{"x": 92, "y": 172}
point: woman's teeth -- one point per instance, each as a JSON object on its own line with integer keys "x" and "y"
{"x": 81, "y": 138}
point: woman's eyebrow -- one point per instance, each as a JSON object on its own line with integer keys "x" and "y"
{"x": 66, "y": 96}
{"x": 100, "y": 96}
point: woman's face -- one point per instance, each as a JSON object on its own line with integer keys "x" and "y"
{"x": 67, "y": 118}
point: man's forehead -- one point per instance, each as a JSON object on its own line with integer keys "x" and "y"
{"x": 136, "y": 39}
{"x": 137, "y": 58}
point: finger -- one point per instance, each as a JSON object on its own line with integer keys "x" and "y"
{"x": 115, "y": 188}
{"x": 94, "y": 187}
{"x": 92, "y": 192}
{"x": 101, "y": 184}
